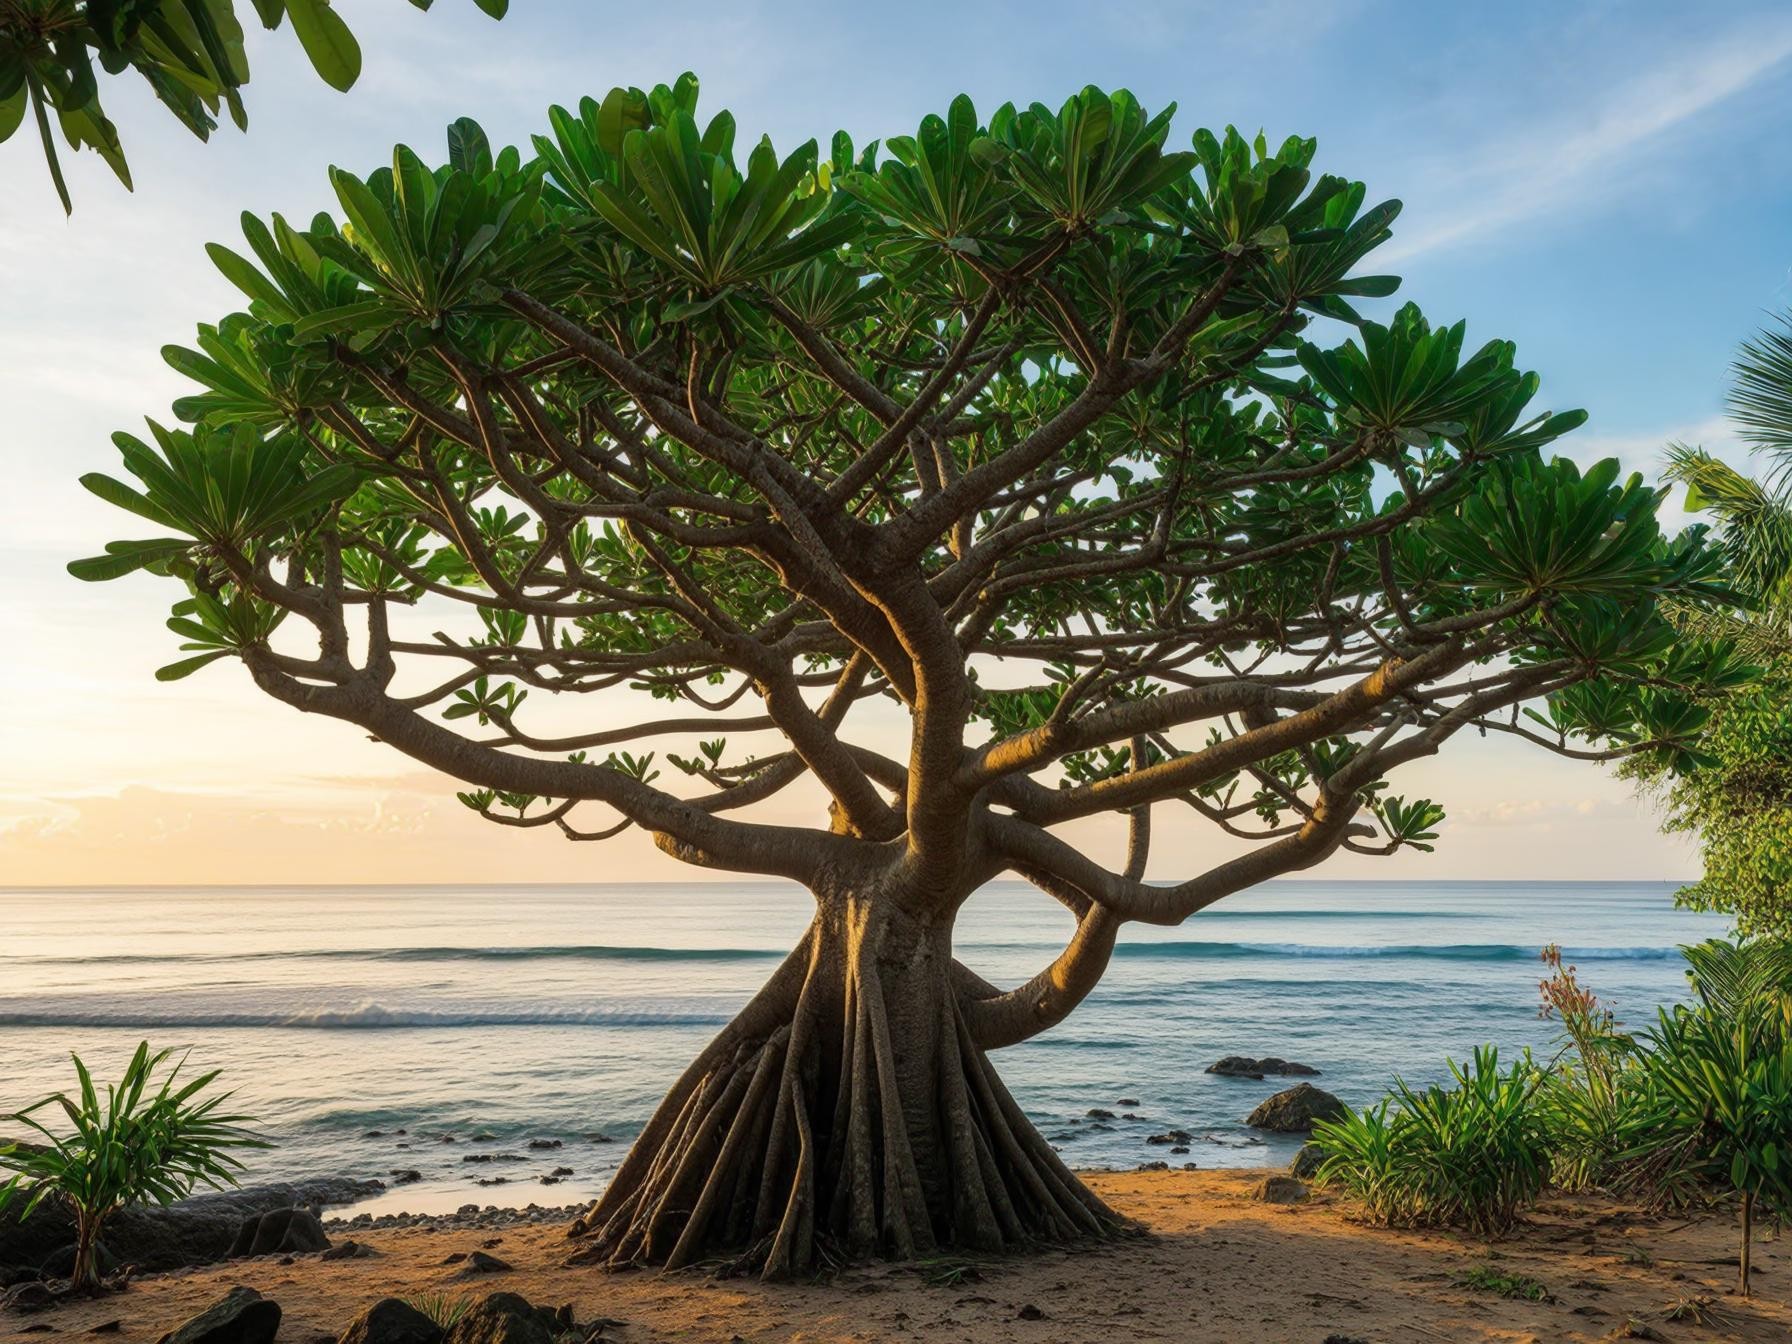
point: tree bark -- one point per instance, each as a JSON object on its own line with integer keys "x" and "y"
{"x": 845, "y": 1113}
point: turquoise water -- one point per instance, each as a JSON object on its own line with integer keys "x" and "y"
{"x": 558, "y": 1012}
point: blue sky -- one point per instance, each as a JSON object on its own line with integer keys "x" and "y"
{"x": 1608, "y": 184}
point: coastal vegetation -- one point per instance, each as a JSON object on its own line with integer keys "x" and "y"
{"x": 1068, "y": 449}
{"x": 1699, "y": 1105}
{"x": 1740, "y": 807}
{"x": 154, "y": 1138}
{"x": 190, "y": 52}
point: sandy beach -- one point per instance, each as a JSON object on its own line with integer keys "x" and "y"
{"x": 1216, "y": 1264}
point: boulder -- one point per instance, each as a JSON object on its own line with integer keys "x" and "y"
{"x": 279, "y": 1232}
{"x": 1280, "y": 1190}
{"x": 241, "y": 1316}
{"x": 1243, "y": 1066}
{"x": 1295, "y": 1110}
{"x": 504, "y": 1318}
{"x": 197, "y": 1231}
{"x": 391, "y": 1321}
{"x": 1306, "y": 1162}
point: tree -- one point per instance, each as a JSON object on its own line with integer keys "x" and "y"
{"x": 190, "y": 52}
{"x": 1009, "y": 425}
{"x": 1741, "y": 808}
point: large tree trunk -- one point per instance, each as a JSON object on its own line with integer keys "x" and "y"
{"x": 845, "y": 1113}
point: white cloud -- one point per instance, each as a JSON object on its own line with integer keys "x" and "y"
{"x": 1584, "y": 154}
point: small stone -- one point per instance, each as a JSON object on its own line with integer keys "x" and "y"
{"x": 600, "y": 1138}
{"x": 1178, "y": 1150}
{"x": 1307, "y": 1162}
{"x": 478, "y": 1262}
{"x": 406, "y": 1176}
{"x": 563, "y": 1171}
{"x": 1096, "y": 1113}
{"x": 1280, "y": 1190}
{"x": 374, "y": 1134}
{"x": 107, "y": 1328}
{"x": 1154, "y": 1166}
{"x": 1029, "y": 1312}
{"x": 1127, "y": 1101}
{"x": 542, "y": 1144}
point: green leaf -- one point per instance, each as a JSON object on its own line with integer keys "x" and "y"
{"x": 186, "y": 667}
{"x": 334, "y": 53}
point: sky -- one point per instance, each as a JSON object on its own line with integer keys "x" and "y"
{"x": 1607, "y": 184}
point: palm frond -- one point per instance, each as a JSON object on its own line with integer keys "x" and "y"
{"x": 1761, "y": 394}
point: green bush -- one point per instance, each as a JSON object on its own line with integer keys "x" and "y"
{"x": 1700, "y": 1105}
{"x": 139, "y": 1146}
{"x": 1471, "y": 1155}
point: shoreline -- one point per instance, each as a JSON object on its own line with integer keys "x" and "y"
{"x": 1216, "y": 1264}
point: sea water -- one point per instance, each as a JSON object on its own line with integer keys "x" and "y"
{"x": 341, "y": 1016}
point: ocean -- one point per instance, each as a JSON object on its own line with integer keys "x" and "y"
{"x": 362, "y": 1025}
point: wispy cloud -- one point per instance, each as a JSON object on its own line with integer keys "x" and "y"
{"x": 1582, "y": 154}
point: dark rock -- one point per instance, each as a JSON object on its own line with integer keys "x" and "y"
{"x": 242, "y": 1316}
{"x": 1190, "y": 1166}
{"x": 600, "y": 1138}
{"x": 1306, "y": 1162}
{"x": 1128, "y": 1115}
{"x": 478, "y": 1262}
{"x": 1154, "y": 1166}
{"x": 106, "y": 1328}
{"x": 197, "y": 1231}
{"x": 1295, "y": 1110}
{"x": 1127, "y": 1101}
{"x": 32, "y": 1295}
{"x": 494, "y": 1180}
{"x": 1178, "y": 1150}
{"x": 1280, "y": 1190}
{"x": 1096, "y": 1113}
{"x": 562, "y": 1171}
{"x": 1029, "y": 1312}
{"x": 374, "y": 1134}
{"x": 504, "y": 1318}
{"x": 390, "y": 1321}
{"x": 279, "y": 1231}
{"x": 541, "y": 1145}
{"x": 406, "y": 1176}
{"x": 1171, "y": 1136}
{"x": 1243, "y": 1066}
{"x": 349, "y": 1250}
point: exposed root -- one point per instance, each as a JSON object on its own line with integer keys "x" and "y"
{"x": 844, "y": 1114}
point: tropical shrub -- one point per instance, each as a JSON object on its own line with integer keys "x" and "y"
{"x": 1471, "y": 1155}
{"x": 1699, "y": 1105}
{"x": 1721, "y": 1081}
{"x": 150, "y": 1141}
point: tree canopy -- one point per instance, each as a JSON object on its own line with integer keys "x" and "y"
{"x": 1740, "y": 808}
{"x": 1071, "y": 447}
{"x": 190, "y": 52}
